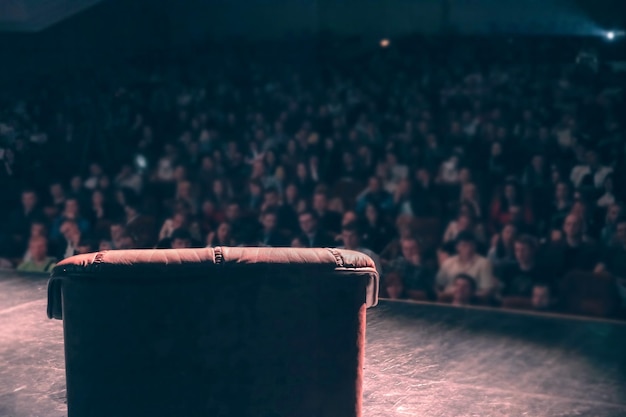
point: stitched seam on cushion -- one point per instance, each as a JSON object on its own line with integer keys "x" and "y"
{"x": 338, "y": 257}
{"x": 98, "y": 258}
{"x": 218, "y": 255}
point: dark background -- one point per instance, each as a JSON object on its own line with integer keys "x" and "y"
{"x": 35, "y": 31}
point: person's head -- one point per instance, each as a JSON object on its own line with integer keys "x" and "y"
{"x": 97, "y": 198}
{"x": 410, "y": 250}
{"x": 105, "y": 245}
{"x": 125, "y": 241}
{"x": 465, "y": 175}
{"x": 525, "y": 249}
{"x": 233, "y": 211}
{"x": 207, "y": 163}
{"x": 269, "y": 220}
{"x": 573, "y": 227}
{"x": 29, "y": 199}
{"x": 38, "y": 228}
{"x": 510, "y": 192}
{"x": 320, "y": 201}
{"x": 469, "y": 192}
{"x": 541, "y": 297}
{"x": 371, "y": 213}
{"x": 351, "y": 236}
{"x": 69, "y": 229}
{"x": 391, "y": 159}
{"x": 373, "y": 184}
{"x": 271, "y": 198}
{"x": 38, "y": 247}
{"x": 298, "y": 242}
{"x": 537, "y": 162}
{"x": 95, "y": 170}
{"x": 466, "y": 244}
{"x": 508, "y": 233}
{"x": 613, "y": 213}
{"x": 56, "y": 190}
{"x": 180, "y": 173}
{"x": 562, "y": 191}
{"x": 255, "y": 188}
{"x": 258, "y": 169}
{"x": 423, "y": 175}
{"x": 218, "y": 187}
{"x": 579, "y": 208}
{"x": 116, "y": 231}
{"x": 291, "y": 193}
{"x": 223, "y": 233}
{"x": 179, "y": 220}
{"x": 183, "y": 189}
{"x": 463, "y": 290}
{"x": 71, "y": 209}
{"x": 104, "y": 182}
{"x": 496, "y": 149}
{"x": 301, "y": 170}
{"x": 467, "y": 209}
{"x": 76, "y": 183}
{"x": 308, "y": 222}
{"x": 405, "y": 225}
{"x": 349, "y": 216}
{"x": 181, "y": 239}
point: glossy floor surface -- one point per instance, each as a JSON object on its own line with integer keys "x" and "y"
{"x": 422, "y": 360}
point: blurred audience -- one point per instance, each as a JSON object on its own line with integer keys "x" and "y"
{"x": 469, "y": 177}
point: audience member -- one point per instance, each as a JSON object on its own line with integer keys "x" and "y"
{"x": 469, "y": 262}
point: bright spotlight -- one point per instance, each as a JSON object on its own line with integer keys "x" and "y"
{"x": 610, "y": 35}
{"x": 384, "y": 43}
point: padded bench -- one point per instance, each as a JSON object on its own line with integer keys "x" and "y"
{"x": 233, "y": 332}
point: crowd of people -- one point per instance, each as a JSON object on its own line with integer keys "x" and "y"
{"x": 470, "y": 177}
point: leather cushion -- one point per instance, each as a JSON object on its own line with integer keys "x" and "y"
{"x": 174, "y": 263}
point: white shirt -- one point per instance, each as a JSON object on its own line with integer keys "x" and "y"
{"x": 479, "y": 268}
{"x": 580, "y": 171}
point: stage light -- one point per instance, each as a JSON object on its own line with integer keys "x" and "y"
{"x": 384, "y": 43}
{"x": 610, "y": 35}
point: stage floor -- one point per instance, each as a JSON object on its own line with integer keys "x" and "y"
{"x": 422, "y": 360}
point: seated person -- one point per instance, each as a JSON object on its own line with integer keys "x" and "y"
{"x": 467, "y": 261}
{"x": 311, "y": 233}
{"x": 541, "y": 299}
{"x": 417, "y": 279}
{"x": 572, "y": 252}
{"x": 270, "y": 235}
{"x": 39, "y": 259}
{"x": 464, "y": 290}
{"x": 502, "y": 251}
{"x": 519, "y": 277}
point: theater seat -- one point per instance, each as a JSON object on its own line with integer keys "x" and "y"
{"x": 214, "y": 332}
{"x": 589, "y": 294}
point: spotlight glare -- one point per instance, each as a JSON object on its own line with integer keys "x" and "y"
{"x": 610, "y": 35}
